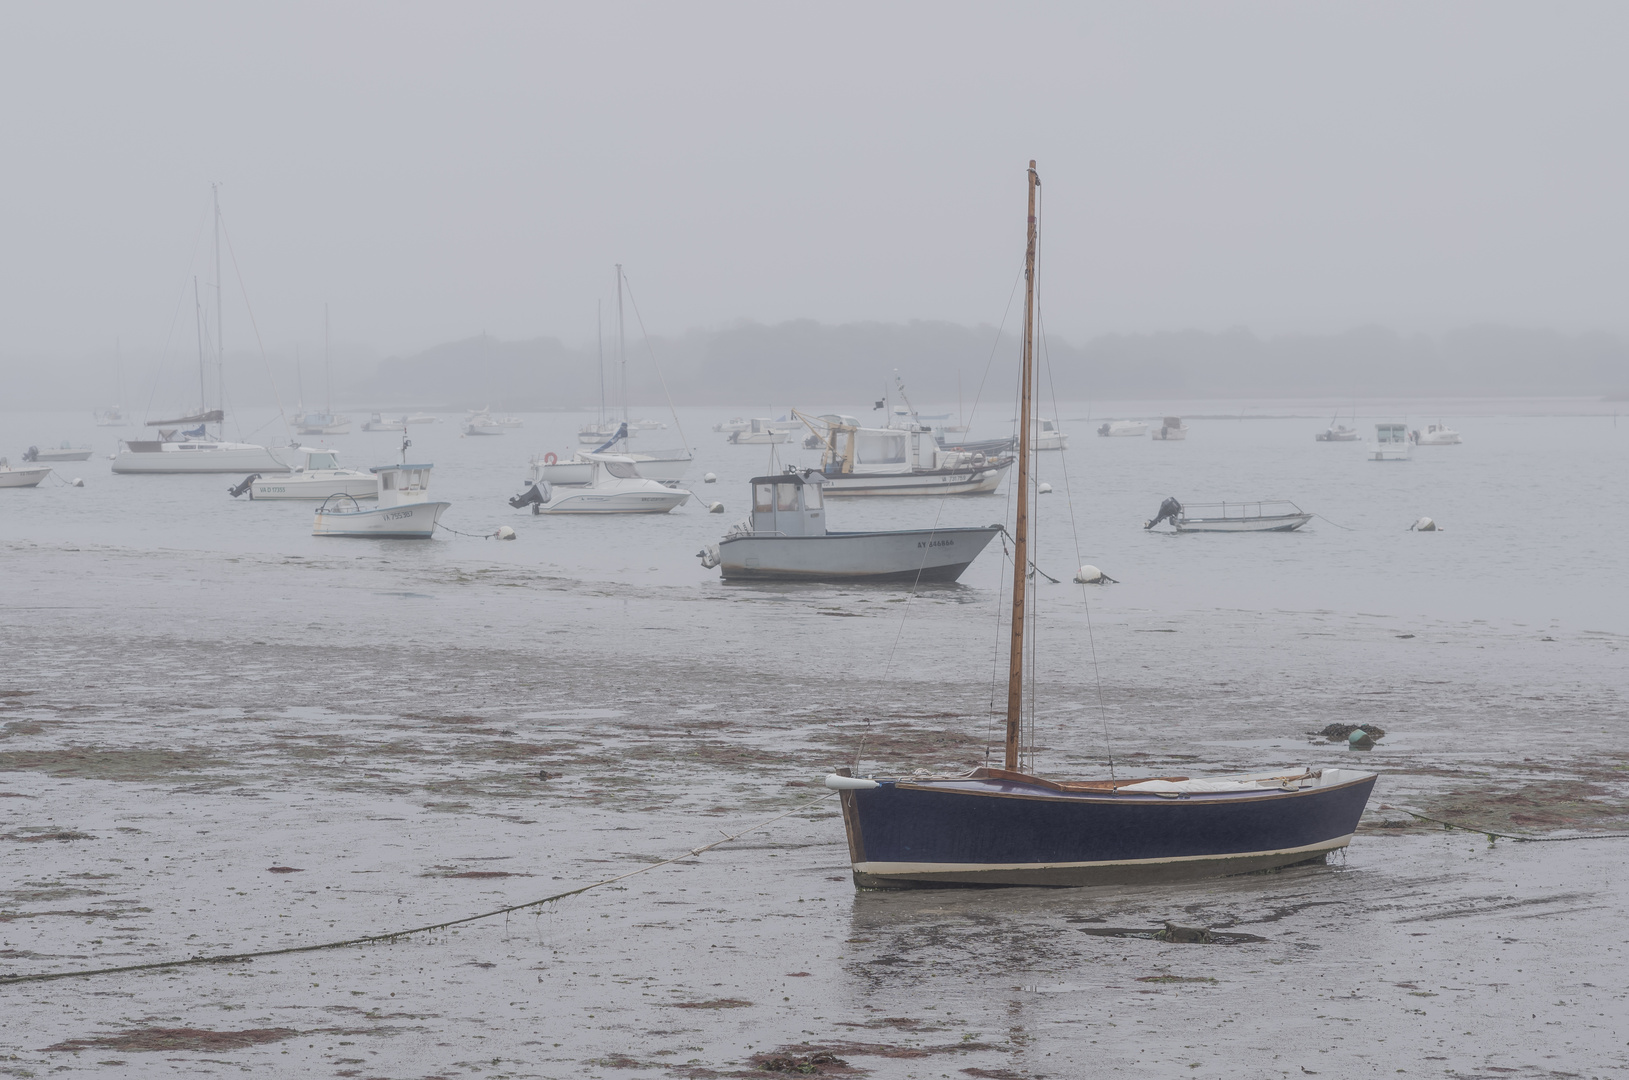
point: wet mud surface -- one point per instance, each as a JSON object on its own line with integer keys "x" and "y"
{"x": 248, "y": 776}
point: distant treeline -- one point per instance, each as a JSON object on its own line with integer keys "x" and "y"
{"x": 804, "y": 361}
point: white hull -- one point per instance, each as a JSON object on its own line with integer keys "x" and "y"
{"x": 482, "y": 429}
{"x": 1167, "y": 434}
{"x": 598, "y": 501}
{"x": 22, "y": 478}
{"x": 1389, "y": 453}
{"x": 759, "y": 438}
{"x": 325, "y": 429}
{"x": 196, "y": 457}
{"x": 78, "y": 454}
{"x": 972, "y": 481}
{"x": 1269, "y": 523}
{"x": 358, "y": 485}
{"x": 1430, "y": 438}
{"x": 1050, "y": 440}
{"x": 411, "y": 521}
{"x": 1123, "y": 429}
{"x": 906, "y": 555}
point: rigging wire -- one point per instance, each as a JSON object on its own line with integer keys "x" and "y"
{"x": 670, "y": 408}
{"x": 169, "y": 334}
{"x": 256, "y": 327}
{"x": 995, "y": 347}
{"x": 1069, "y": 500}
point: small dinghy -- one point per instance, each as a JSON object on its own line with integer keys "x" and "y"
{"x": 600, "y": 484}
{"x": 1271, "y": 515}
{"x": 21, "y": 478}
{"x": 785, "y": 539}
{"x": 405, "y": 511}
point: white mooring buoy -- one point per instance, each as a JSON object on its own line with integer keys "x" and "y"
{"x": 709, "y": 479}
{"x": 715, "y": 508}
{"x": 505, "y": 533}
{"x": 1089, "y": 575}
{"x": 78, "y": 482}
{"x": 1044, "y": 489}
{"x": 1425, "y": 524}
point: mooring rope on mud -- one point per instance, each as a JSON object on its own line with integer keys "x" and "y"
{"x": 1490, "y": 834}
{"x": 396, "y": 935}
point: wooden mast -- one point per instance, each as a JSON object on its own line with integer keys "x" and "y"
{"x": 1020, "y": 557}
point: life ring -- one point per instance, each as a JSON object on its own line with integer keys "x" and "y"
{"x": 549, "y": 459}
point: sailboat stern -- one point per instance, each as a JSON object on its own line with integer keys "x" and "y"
{"x": 999, "y": 829}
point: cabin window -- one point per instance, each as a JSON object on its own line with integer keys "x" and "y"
{"x": 389, "y": 479}
{"x": 786, "y": 496}
{"x": 811, "y": 496}
{"x": 622, "y": 470}
{"x": 880, "y": 449}
{"x": 763, "y": 498}
{"x": 322, "y": 461}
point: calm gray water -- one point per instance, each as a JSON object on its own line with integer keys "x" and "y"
{"x": 198, "y": 690}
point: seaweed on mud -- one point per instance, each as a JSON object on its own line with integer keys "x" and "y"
{"x": 177, "y": 1039}
{"x": 1544, "y": 805}
{"x": 817, "y": 1063}
{"x": 715, "y": 1003}
{"x": 1342, "y": 732}
{"x": 1216, "y": 937}
{"x": 88, "y": 763}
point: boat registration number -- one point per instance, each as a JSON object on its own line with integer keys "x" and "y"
{"x": 935, "y": 543}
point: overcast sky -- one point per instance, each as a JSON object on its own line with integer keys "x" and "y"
{"x": 433, "y": 171}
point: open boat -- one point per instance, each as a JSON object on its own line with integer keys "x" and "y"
{"x": 1266, "y": 515}
{"x": 1009, "y": 827}
{"x": 1123, "y": 429}
{"x": 320, "y": 477}
{"x": 786, "y": 539}
{"x": 66, "y": 452}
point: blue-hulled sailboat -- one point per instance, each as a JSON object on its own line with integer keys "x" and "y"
{"x": 1008, "y": 827}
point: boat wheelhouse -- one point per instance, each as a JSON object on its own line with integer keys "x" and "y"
{"x": 1391, "y": 443}
{"x": 858, "y": 460}
{"x": 405, "y": 510}
{"x": 785, "y": 539}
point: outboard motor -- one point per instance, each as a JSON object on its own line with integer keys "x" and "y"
{"x": 1170, "y": 510}
{"x": 535, "y": 496}
{"x": 31, "y": 454}
{"x": 248, "y": 482}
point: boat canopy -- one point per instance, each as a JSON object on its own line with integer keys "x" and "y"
{"x": 788, "y": 505}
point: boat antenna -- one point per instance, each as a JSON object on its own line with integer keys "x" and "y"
{"x": 327, "y": 364}
{"x": 599, "y": 332}
{"x": 1020, "y": 558}
{"x": 406, "y": 442}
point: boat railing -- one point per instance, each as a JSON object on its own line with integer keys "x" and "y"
{"x": 1258, "y": 508}
{"x": 339, "y": 508}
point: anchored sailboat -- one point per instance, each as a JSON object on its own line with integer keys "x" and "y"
{"x": 1009, "y": 827}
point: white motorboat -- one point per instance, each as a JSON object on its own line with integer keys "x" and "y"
{"x": 422, "y": 418}
{"x": 637, "y": 424}
{"x": 858, "y": 460}
{"x": 1044, "y": 435}
{"x": 404, "y": 511}
{"x": 1172, "y": 430}
{"x": 377, "y": 422}
{"x": 483, "y": 418}
{"x": 318, "y": 478}
{"x": 664, "y": 466}
{"x": 1123, "y": 429}
{"x": 614, "y": 486}
{"x": 110, "y": 417}
{"x": 66, "y": 452}
{"x": 595, "y": 434}
{"x": 760, "y": 431}
{"x": 322, "y": 423}
{"x": 482, "y": 425}
{"x": 731, "y": 426}
{"x": 1433, "y": 435}
{"x": 785, "y": 539}
{"x": 22, "y": 478}
{"x": 1269, "y": 515}
{"x": 1391, "y": 443}
{"x": 1338, "y": 432}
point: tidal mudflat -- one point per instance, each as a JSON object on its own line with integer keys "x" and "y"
{"x": 187, "y": 772}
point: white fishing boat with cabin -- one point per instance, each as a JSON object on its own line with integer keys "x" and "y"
{"x": 729, "y": 426}
{"x": 1045, "y": 435}
{"x": 22, "y": 478}
{"x": 320, "y": 477}
{"x": 1391, "y": 443}
{"x": 66, "y": 452}
{"x": 785, "y": 539}
{"x": 404, "y": 511}
{"x": 612, "y": 486}
{"x": 1336, "y": 432}
{"x": 1123, "y": 429}
{"x": 1172, "y": 430}
{"x": 859, "y": 460}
